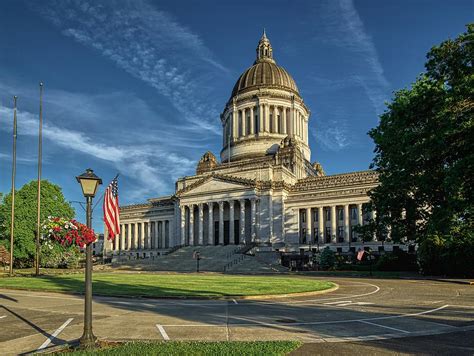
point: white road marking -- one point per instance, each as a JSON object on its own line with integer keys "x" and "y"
{"x": 353, "y": 303}
{"x": 162, "y": 331}
{"x": 235, "y": 302}
{"x": 56, "y": 333}
{"x": 341, "y": 301}
{"x": 383, "y": 326}
{"x": 312, "y": 322}
{"x": 3, "y": 316}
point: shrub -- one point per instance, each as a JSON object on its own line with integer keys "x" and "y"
{"x": 396, "y": 261}
{"x": 328, "y": 259}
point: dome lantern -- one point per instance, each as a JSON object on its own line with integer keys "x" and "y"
{"x": 264, "y": 49}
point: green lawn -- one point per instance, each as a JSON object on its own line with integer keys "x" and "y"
{"x": 194, "y": 348}
{"x": 168, "y": 285}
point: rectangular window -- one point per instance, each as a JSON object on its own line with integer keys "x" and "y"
{"x": 328, "y": 214}
{"x": 315, "y": 215}
{"x": 315, "y": 234}
{"x": 354, "y": 213}
{"x": 303, "y": 216}
{"x": 340, "y": 234}
{"x": 303, "y": 236}
{"x": 340, "y": 214}
{"x": 328, "y": 234}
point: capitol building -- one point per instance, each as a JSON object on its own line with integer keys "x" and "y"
{"x": 263, "y": 190}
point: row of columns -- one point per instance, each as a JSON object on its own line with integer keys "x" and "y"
{"x": 187, "y": 225}
{"x": 257, "y": 119}
{"x": 322, "y": 222}
{"x": 149, "y": 235}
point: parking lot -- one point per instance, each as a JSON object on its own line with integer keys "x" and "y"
{"x": 360, "y": 310}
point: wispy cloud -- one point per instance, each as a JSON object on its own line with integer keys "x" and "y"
{"x": 343, "y": 27}
{"x": 150, "y": 45}
{"x": 153, "y": 166}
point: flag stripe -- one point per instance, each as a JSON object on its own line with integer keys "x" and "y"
{"x": 112, "y": 210}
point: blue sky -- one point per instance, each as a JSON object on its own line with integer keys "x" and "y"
{"x": 136, "y": 87}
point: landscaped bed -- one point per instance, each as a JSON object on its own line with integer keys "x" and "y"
{"x": 169, "y": 285}
{"x": 192, "y": 348}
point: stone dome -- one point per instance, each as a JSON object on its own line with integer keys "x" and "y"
{"x": 264, "y": 73}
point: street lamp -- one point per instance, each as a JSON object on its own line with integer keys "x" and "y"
{"x": 89, "y": 183}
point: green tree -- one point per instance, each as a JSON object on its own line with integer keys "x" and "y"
{"x": 52, "y": 204}
{"x": 425, "y": 149}
{"x": 327, "y": 259}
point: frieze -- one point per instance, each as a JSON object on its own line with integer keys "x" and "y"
{"x": 363, "y": 177}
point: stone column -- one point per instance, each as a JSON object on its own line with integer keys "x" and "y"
{"x": 267, "y": 118}
{"x": 122, "y": 237}
{"x": 201, "y": 223}
{"x": 252, "y": 121}
{"x": 221, "y": 223}
{"x": 191, "y": 225}
{"x": 360, "y": 216}
{"x": 333, "y": 224}
{"x": 135, "y": 237}
{"x": 309, "y": 226}
{"x": 321, "y": 224}
{"x": 242, "y": 221}
{"x": 283, "y": 122}
{"x": 275, "y": 119}
{"x": 347, "y": 236}
{"x": 234, "y": 125}
{"x": 374, "y": 216}
{"x": 244, "y": 129}
{"x": 210, "y": 238}
{"x": 261, "y": 119}
{"x": 253, "y": 219}
{"x": 142, "y": 236}
{"x": 231, "y": 223}
{"x": 183, "y": 225}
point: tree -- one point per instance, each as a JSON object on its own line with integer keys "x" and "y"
{"x": 424, "y": 150}
{"x": 52, "y": 204}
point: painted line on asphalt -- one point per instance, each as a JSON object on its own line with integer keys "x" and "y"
{"x": 309, "y": 322}
{"x": 3, "y": 316}
{"x": 383, "y": 326}
{"x": 235, "y": 302}
{"x": 341, "y": 301}
{"x": 56, "y": 333}
{"x": 162, "y": 331}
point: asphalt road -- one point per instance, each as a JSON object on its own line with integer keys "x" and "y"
{"x": 369, "y": 316}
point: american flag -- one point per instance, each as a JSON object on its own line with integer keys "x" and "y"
{"x": 112, "y": 210}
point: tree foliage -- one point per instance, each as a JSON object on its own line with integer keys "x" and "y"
{"x": 425, "y": 149}
{"x": 52, "y": 204}
{"x": 425, "y": 155}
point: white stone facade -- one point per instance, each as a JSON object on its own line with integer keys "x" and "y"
{"x": 264, "y": 191}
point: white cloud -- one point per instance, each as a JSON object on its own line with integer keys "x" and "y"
{"x": 343, "y": 27}
{"x": 149, "y": 45}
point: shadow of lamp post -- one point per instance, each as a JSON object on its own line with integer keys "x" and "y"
{"x": 89, "y": 183}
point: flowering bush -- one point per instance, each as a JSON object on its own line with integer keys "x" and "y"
{"x": 66, "y": 232}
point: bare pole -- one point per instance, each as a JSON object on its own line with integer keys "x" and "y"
{"x": 12, "y": 226}
{"x": 40, "y": 156}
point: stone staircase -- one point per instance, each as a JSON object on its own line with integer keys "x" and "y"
{"x": 227, "y": 259}
{"x": 212, "y": 259}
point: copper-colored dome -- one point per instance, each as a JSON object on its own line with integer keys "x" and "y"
{"x": 264, "y": 74}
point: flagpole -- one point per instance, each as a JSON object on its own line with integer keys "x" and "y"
{"x": 12, "y": 226}
{"x": 40, "y": 154}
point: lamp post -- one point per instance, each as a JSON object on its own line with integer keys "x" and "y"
{"x": 89, "y": 183}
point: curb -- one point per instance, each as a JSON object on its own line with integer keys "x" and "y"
{"x": 454, "y": 281}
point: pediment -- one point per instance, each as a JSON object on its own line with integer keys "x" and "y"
{"x": 217, "y": 184}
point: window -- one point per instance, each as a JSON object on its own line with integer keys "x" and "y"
{"x": 315, "y": 215}
{"x": 340, "y": 214}
{"x": 303, "y": 216}
{"x": 315, "y": 234}
{"x": 353, "y": 234}
{"x": 328, "y": 214}
{"x": 340, "y": 234}
{"x": 328, "y": 234}
{"x": 354, "y": 213}
{"x": 303, "y": 236}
